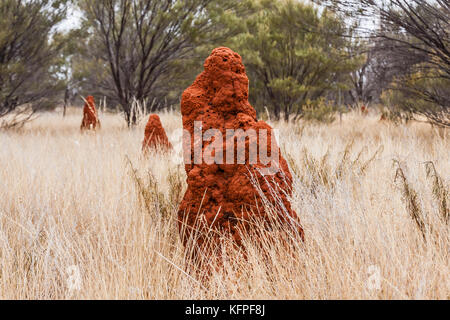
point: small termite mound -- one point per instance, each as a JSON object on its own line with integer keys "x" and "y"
{"x": 155, "y": 136}
{"x": 90, "y": 115}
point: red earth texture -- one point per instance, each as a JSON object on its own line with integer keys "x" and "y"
{"x": 224, "y": 197}
{"x": 90, "y": 115}
{"x": 155, "y": 136}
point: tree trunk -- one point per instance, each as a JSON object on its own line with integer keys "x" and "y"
{"x": 287, "y": 113}
{"x": 66, "y": 101}
{"x": 130, "y": 117}
{"x": 277, "y": 111}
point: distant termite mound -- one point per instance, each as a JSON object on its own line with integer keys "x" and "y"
{"x": 155, "y": 137}
{"x": 223, "y": 195}
{"x": 90, "y": 115}
{"x": 364, "y": 110}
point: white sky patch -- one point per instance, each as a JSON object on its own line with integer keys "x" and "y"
{"x": 72, "y": 21}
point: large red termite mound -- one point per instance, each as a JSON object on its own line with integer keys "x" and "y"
{"x": 90, "y": 115}
{"x": 223, "y": 197}
{"x": 155, "y": 136}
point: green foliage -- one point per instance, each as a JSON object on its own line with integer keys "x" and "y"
{"x": 150, "y": 50}
{"x": 392, "y": 111}
{"x": 423, "y": 93}
{"x": 319, "y": 110}
{"x": 29, "y": 55}
{"x": 293, "y": 54}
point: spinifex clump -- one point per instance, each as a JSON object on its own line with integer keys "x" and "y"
{"x": 90, "y": 115}
{"x": 155, "y": 136}
{"x": 224, "y": 195}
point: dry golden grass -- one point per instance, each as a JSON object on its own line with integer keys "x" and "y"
{"x": 70, "y": 202}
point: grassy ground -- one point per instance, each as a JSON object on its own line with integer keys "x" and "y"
{"x": 74, "y": 224}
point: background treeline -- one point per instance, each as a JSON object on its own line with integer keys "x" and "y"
{"x": 305, "y": 59}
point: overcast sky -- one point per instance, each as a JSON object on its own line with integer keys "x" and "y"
{"x": 74, "y": 18}
{"x": 72, "y": 21}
